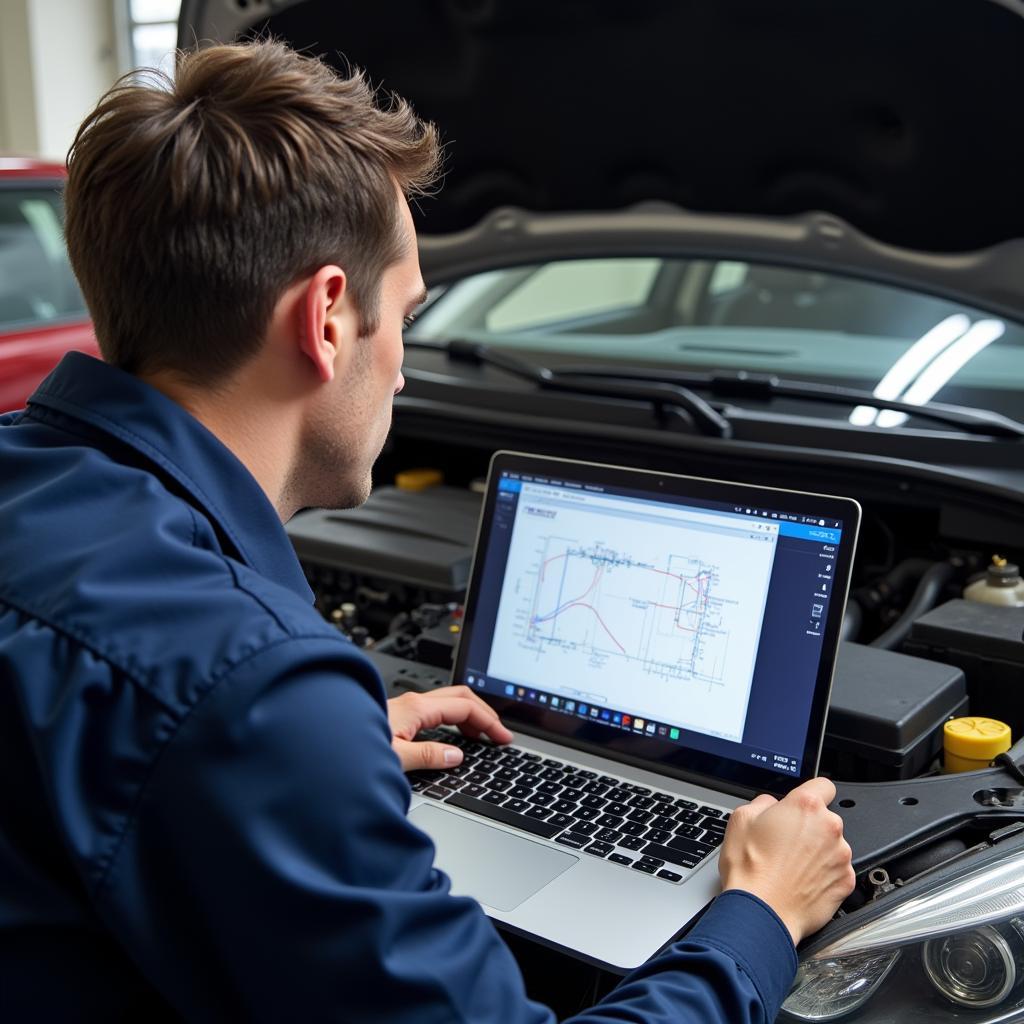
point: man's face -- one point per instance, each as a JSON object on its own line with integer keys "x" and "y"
{"x": 351, "y": 421}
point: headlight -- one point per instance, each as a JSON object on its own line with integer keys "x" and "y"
{"x": 947, "y": 947}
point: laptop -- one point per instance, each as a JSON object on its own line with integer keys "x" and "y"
{"x": 663, "y": 648}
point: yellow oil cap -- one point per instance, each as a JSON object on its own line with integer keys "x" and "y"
{"x": 417, "y": 479}
{"x": 971, "y": 743}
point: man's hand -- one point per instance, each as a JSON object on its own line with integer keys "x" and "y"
{"x": 453, "y": 705}
{"x": 790, "y": 853}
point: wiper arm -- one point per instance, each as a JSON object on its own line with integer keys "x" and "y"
{"x": 742, "y": 384}
{"x": 665, "y": 396}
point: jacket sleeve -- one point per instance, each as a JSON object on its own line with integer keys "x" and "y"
{"x": 270, "y": 873}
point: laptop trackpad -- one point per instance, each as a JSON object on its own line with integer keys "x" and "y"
{"x": 492, "y": 866}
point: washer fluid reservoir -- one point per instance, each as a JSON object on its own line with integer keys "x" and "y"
{"x": 1001, "y": 584}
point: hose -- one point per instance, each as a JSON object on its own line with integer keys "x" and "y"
{"x": 851, "y": 621}
{"x": 925, "y": 596}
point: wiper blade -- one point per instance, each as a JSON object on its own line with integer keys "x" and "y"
{"x": 743, "y": 384}
{"x": 666, "y": 396}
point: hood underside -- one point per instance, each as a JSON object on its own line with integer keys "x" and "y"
{"x": 902, "y": 119}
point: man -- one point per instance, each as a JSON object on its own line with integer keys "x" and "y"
{"x": 202, "y": 813}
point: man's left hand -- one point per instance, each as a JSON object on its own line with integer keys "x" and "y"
{"x": 453, "y": 705}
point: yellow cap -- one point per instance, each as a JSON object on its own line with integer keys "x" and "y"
{"x": 418, "y": 479}
{"x": 978, "y": 739}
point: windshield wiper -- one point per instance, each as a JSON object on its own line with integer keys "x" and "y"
{"x": 667, "y": 397}
{"x": 742, "y": 384}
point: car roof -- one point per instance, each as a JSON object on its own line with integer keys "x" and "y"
{"x": 28, "y": 167}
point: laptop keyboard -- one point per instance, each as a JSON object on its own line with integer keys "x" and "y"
{"x": 611, "y": 818}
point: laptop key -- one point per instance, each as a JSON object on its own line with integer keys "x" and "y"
{"x": 494, "y": 798}
{"x": 473, "y": 790}
{"x": 549, "y": 787}
{"x": 530, "y": 768}
{"x": 550, "y": 762}
{"x": 620, "y": 794}
{"x": 698, "y": 849}
{"x": 608, "y": 780}
{"x": 585, "y": 773}
{"x": 562, "y": 820}
{"x": 489, "y": 810}
{"x": 542, "y": 799}
{"x": 587, "y": 828}
{"x": 610, "y": 820}
{"x": 614, "y": 807}
{"x": 713, "y": 838}
{"x": 714, "y": 824}
{"x": 608, "y": 835}
{"x": 520, "y": 792}
{"x": 619, "y": 858}
{"x": 599, "y": 849}
{"x": 657, "y": 835}
{"x": 563, "y": 806}
{"x": 593, "y": 801}
{"x": 439, "y": 791}
{"x": 641, "y": 803}
{"x": 711, "y": 812}
{"x": 632, "y": 828}
{"x": 574, "y": 839}
{"x": 670, "y": 876}
{"x": 418, "y": 785}
{"x": 499, "y": 785}
{"x": 640, "y": 817}
{"x": 595, "y": 787}
{"x": 652, "y": 861}
{"x": 683, "y": 860}
{"x": 506, "y": 773}
{"x": 639, "y": 790}
{"x": 632, "y": 843}
{"x": 538, "y": 812}
{"x": 641, "y": 865}
{"x": 478, "y": 778}
{"x": 528, "y": 755}
{"x": 685, "y": 805}
{"x": 519, "y": 806}
{"x": 689, "y": 817}
{"x": 452, "y": 783}
{"x": 664, "y": 810}
{"x": 587, "y": 813}
{"x": 552, "y": 775}
{"x": 662, "y": 822}
{"x": 687, "y": 832}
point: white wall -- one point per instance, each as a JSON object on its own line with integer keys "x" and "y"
{"x": 57, "y": 57}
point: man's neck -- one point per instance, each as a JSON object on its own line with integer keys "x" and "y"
{"x": 257, "y": 430}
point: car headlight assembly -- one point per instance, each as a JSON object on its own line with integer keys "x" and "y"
{"x": 948, "y": 946}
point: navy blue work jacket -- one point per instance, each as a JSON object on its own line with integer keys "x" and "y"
{"x": 200, "y": 812}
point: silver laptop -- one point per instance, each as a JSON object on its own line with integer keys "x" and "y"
{"x": 663, "y": 647}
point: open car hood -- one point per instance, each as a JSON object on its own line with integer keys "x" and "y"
{"x": 899, "y": 122}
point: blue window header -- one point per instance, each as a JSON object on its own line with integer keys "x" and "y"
{"x": 515, "y": 486}
{"x": 805, "y": 531}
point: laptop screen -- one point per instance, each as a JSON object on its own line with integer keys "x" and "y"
{"x": 688, "y": 622}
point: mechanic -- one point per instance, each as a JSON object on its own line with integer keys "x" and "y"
{"x": 203, "y": 814}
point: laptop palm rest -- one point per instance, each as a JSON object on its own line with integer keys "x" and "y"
{"x": 495, "y": 868}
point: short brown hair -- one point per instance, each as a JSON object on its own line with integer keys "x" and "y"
{"x": 191, "y": 205}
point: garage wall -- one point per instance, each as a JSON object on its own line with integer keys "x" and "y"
{"x": 57, "y": 57}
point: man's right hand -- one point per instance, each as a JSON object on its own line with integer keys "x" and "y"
{"x": 790, "y": 853}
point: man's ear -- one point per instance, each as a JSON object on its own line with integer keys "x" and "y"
{"x": 322, "y": 324}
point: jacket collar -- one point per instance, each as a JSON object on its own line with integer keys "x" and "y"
{"x": 136, "y": 414}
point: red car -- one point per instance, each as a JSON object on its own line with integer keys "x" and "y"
{"x": 42, "y": 313}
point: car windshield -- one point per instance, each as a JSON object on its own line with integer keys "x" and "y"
{"x": 37, "y": 285}
{"x": 729, "y": 315}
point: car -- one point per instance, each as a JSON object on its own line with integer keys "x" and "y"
{"x": 781, "y": 245}
{"x": 42, "y": 312}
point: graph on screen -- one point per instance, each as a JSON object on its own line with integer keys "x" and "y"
{"x": 662, "y": 617}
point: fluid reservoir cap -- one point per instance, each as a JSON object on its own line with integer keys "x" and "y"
{"x": 1002, "y": 573}
{"x": 418, "y": 479}
{"x": 978, "y": 739}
